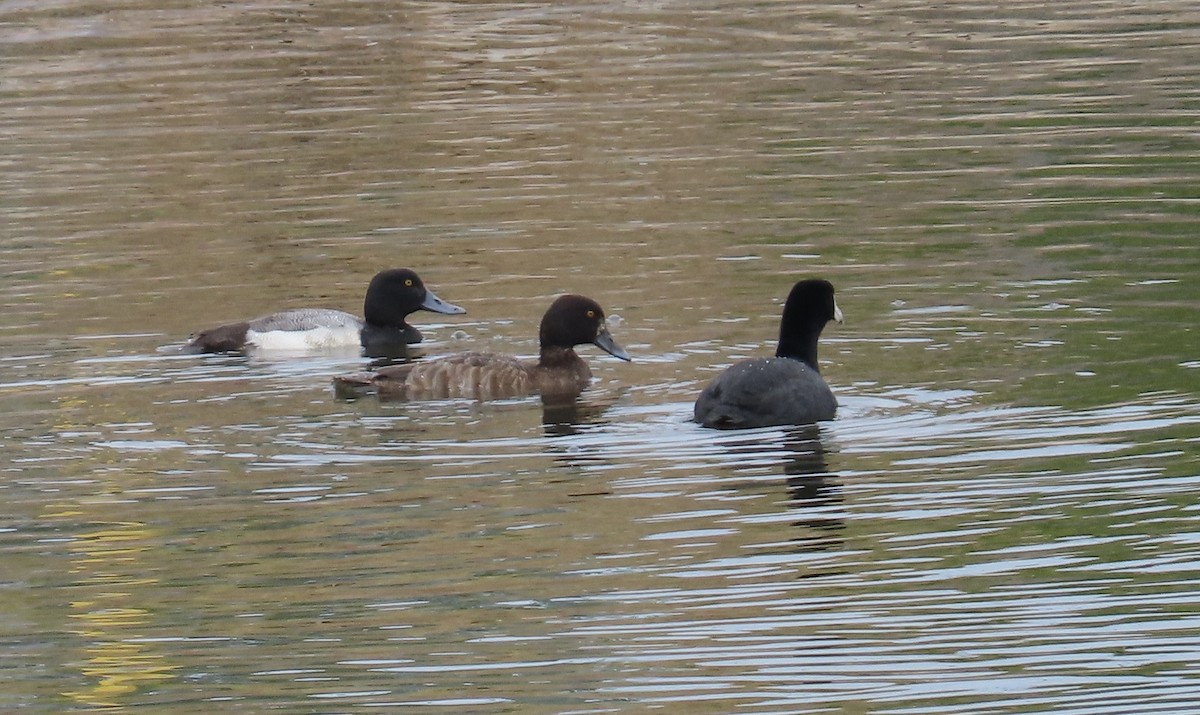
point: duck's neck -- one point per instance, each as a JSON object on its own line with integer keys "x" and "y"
{"x": 800, "y": 342}
{"x": 402, "y": 332}
{"x": 557, "y": 357}
{"x": 562, "y": 373}
{"x": 384, "y": 319}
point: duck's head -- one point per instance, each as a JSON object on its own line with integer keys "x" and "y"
{"x": 394, "y": 294}
{"x": 577, "y": 320}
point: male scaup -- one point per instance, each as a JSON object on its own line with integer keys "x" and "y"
{"x": 786, "y": 389}
{"x": 558, "y": 372}
{"x": 391, "y": 296}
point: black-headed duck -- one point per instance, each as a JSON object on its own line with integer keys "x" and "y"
{"x": 783, "y": 390}
{"x": 558, "y": 372}
{"x": 391, "y": 296}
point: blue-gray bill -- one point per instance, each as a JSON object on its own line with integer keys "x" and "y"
{"x": 604, "y": 340}
{"x": 437, "y": 305}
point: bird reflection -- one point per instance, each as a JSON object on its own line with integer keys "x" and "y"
{"x": 813, "y": 492}
{"x": 564, "y": 415}
{"x": 393, "y": 355}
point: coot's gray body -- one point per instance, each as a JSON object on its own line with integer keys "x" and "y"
{"x": 765, "y": 392}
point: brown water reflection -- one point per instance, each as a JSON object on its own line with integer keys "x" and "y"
{"x": 1000, "y": 520}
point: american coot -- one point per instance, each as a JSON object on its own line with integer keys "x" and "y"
{"x": 786, "y": 389}
{"x": 558, "y": 372}
{"x": 391, "y": 296}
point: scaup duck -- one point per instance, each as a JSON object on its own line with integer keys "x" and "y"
{"x": 391, "y": 296}
{"x": 783, "y": 390}
{"x": 558, "y": 372}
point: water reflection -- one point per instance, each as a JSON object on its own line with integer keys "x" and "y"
{"x": 565, "y": 416}
{"x": 815, "y": 495}
{"x": 109, "y": 613}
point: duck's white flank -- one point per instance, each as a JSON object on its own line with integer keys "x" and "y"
{"x": 305, "y": 330}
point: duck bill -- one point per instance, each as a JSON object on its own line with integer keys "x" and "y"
{"x": 837, "y": 314}
{"x": 604, "y": 341}
{"x": 437, "y": 305}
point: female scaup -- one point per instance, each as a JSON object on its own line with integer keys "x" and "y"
{"x": 391, "y": 296}
{"x": 571, "y": 320}
{"x": 786, "y": 389}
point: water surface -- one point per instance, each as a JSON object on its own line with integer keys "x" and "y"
{"x": 1002, "y": 519}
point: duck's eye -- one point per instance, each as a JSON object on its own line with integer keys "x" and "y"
{"x": 591, "y": 314}
{"x": 408, "y": 282}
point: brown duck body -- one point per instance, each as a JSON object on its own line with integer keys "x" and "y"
{"x": 480, "y": 376}
{"x": 558, "y": 372}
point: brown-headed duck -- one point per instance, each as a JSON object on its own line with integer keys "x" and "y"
{"x": 558, "y": 372}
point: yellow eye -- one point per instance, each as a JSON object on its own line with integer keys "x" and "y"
{"x": 591, "y": 314}
{"x": 408, "y": 282}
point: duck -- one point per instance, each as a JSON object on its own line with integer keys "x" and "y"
{"x": 558, "y": 372}
{"x": 383, "y": 330}
{"x": 787, "y": 389}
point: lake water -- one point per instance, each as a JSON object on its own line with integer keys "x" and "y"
{"x": 1002, "y": 519}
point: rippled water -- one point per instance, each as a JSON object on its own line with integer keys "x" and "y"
{"x": 1002, "y": 519}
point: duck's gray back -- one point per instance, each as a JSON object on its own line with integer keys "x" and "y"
{"x": 765, "y": 392}
{"x": 305, "y": 319}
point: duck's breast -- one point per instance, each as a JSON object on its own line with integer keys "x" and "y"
{"x": 563, "y": 379}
